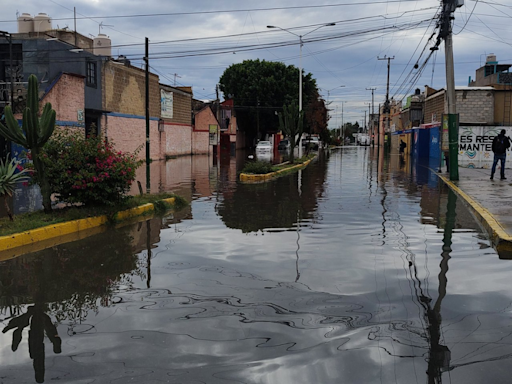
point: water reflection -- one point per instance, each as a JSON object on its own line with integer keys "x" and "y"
{"x": 327, "y": 283}
{"x": 274, "y": 205}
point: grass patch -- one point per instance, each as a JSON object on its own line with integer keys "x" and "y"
{"x": 32, "y": 220}
{"x": 262, "y": 167}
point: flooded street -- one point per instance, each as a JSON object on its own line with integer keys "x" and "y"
{"x": 360, "y": 269}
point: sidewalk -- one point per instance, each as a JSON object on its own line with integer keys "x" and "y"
{"x": 490, "y": 201}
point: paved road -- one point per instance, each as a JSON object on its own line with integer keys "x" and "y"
{"x": 491, "y": 202}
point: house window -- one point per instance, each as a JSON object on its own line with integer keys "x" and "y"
{"x": 91, "y": 74}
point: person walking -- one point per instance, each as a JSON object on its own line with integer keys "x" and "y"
{"x": 499, "y": 147}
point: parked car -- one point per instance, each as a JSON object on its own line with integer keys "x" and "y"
{"x": 263, "y": 146}
{"x": 284, "y": 145}
{"x": 312, "y": 142}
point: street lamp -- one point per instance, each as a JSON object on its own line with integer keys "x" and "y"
{"x": 301, "y": 42}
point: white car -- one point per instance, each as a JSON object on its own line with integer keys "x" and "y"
{"x": 263, "y": 146}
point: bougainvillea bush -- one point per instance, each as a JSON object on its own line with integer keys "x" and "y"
{"x": 87, "y": 170}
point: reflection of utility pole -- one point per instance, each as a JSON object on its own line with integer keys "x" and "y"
{"x": 148, "y": 246}
{"x": 440, "y": 355}
{"x": 387, "y": 108}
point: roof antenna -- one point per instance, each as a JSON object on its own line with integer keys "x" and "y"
{"x": 101, "y": 25}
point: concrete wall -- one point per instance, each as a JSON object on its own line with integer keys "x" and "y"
{"x": 475, "y": 106}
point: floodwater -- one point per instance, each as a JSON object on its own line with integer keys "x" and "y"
{"x": 360, "y": 269}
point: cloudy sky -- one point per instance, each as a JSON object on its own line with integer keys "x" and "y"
{"x": 192, "y": 42}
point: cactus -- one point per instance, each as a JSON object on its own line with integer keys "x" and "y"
{"x": 33, "y": 134}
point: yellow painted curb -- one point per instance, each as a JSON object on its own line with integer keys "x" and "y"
{"x": 499, "y": 237}
{"x": 51, "y": 235}
{"x": 255, "y": 178}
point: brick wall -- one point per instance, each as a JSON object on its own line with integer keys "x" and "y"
{"x": 204, "y": 118}
{"x": 434, "y": 108}
{"x": 67, "y": 97}
{"x": 128, "y": 134}
{"x": 124, "y": 90}
{"x": 475, "y": 106}
{"x": 201, "y": 143}
{"x": 178, "y": 140}
{"x": 182, "y": 106}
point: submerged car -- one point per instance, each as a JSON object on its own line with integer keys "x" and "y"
{"x": 284, "y": 145}
{"x": 263, "y": 146}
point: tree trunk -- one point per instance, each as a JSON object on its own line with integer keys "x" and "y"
{"x": 42, "y": 181}
{"x": 9, "y": 213}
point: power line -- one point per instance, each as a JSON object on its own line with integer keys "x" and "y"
{"x": 230, "y": 10}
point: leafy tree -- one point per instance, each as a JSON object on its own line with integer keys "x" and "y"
{"x": 33, "y": 134}
{"x": 349, "y": 129}
{"x": 317, "y": 116}
{"x": 260, "y": 88}
{"x": 291, "y": 122}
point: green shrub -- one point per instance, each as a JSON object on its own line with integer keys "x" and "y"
{"x": 87, "y": 170}
{"x": 258, "y": 167}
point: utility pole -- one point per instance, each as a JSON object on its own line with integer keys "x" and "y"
{"x": 148, "y": 160}
{"x": 373, "y": 116}
{"x": 386, "y": 103}
{"x": 450, "y": 121}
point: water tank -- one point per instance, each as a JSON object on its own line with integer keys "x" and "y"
{"x": 102, "y": 45}
{"x": 490, "y": 58}
{"x": 25, "y": 23}
{"x": 42, "y": 23}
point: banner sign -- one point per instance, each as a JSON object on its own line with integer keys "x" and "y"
{"x": 475, "y": 145}
{"x": 166, "y": 101}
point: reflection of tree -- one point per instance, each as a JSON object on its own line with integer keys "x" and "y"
{"x": 67, "y": 282}
{"x": 71, "y": 277}
{"x": 253, "y": 207}
{"x": 40, "y": 323}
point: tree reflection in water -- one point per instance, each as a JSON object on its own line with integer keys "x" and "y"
{"x": 65, "y": 282}
{"x": 274, "y": 204}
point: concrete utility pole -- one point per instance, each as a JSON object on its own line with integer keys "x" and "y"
{"x": 372, "y": 134}
{"x": 148, "y": 160}
{"x": 386, "y": 103}
{"x": 450, "y": 121}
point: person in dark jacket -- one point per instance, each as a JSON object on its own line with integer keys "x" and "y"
{"x": 500, "y": 144}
